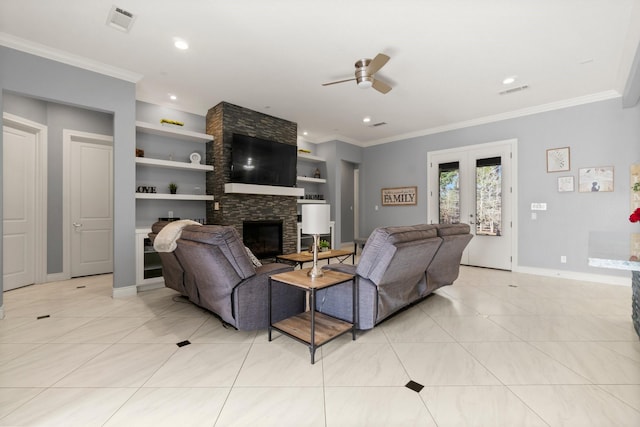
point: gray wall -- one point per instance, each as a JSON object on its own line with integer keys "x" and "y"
{"x": 599, "y": 134}
{"x": 56, "y": 117}
{"x": 37, "y": 77}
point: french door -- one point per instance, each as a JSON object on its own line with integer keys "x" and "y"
{"x": 475, "y": 185}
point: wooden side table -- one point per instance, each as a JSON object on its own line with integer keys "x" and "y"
{"x": 312, "y": 328}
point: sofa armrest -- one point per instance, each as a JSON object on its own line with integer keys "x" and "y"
{"x": 250, "y": 299}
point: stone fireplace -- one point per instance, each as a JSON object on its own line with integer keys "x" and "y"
{"x": 234, "y": 209}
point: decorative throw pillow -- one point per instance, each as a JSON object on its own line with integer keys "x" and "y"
{"x": 256, "y": 262}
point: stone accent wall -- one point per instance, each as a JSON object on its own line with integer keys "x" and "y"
{"x": 223, "y": 121}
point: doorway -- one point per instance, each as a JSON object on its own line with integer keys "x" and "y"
{"x": 24, "y": 202}
{"x": 477, "y": 185}
{"x": 88, "y": 214}
{"x": 348, "y": 201}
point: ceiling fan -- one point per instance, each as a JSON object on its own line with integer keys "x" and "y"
{"x": 365, "y": 70}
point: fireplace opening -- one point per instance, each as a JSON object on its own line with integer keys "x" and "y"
{"x": 264, "y": 238}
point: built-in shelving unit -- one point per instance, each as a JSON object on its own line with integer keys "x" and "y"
{"x": 307, "y": 163}
{"x": 162, "y": 144}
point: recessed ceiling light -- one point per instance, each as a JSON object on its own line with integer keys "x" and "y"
{"x": 305, "y": 133}
{"x": 173, "y": 97}
{"x": 366, "y": 119}
{"x": 509, "y": 80}
{"x": 180, "y": 44}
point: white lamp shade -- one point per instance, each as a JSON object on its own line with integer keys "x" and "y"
{"x": 315, "y": 219}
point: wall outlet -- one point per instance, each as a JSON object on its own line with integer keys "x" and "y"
{"x": 170, "y": 214}
{"x": 563, "y": 259}
{"x": 216, "y": 206}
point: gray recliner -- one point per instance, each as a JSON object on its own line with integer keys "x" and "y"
{"x": 396, "y": 269}
{"x": 219, "y": 276}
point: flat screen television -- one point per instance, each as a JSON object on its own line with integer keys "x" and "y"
{"x": 263, "y": 162}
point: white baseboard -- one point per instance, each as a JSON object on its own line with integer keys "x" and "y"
{"x": 574, "y": 275}
{"x": 1, "y": 312}
{"x": 57, "y": 277}
{"x": 150, "y": 286}
{"x": 125, "y": 291}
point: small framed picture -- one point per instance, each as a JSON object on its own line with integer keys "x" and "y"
{"x": 558, "y": 159}
{"x": 565, "y": 184}
{"x": 596, "y": 179}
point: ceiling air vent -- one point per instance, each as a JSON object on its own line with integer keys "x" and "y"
{"x": 514, "y": 90}
{"x": 375, "y": 125}
{"x": 120, "y": 19}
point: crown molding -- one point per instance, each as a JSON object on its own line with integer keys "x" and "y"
{"x": 587, "y": 99}
{"x": 47, "y": 52}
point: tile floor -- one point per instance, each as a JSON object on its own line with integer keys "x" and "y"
{"x": 495, "y": 349}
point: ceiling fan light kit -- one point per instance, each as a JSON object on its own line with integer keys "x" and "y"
{"x": 364, "y": 74}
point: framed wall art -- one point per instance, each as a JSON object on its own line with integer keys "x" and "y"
{"x": 558, "y": 159}
{"x": 399, "y": 196}
{"x": 596, "y": 179}
{"x": 565, "y": 184}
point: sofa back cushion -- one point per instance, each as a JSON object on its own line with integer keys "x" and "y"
{"x": 228, "y": 242}
{"x": 382, "y": 244}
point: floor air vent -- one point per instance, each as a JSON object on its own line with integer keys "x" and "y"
{"x": 514, "y": 89}
{"x": 120, "y": 19}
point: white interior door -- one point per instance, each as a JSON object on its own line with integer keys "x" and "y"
{"x": 18, "y": 173}
{"x": 91, "y": 208}
{"x": 474, "y": 185}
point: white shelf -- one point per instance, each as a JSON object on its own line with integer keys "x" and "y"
{"x": 309, "y": 179}
{"x": 174, "y": 132}
{"x": 164, "y": 196}
{"x": 172, "y": 164}
{"x": 310, "y": 157}
{"x": 311, "y": 201}
{"x": 263, "y": 189}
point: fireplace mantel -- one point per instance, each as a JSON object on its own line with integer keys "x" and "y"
{"x": 263, "y": 189}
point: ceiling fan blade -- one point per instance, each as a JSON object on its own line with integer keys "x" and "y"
{"x": 377, "y": 63}
{"x": 336, "y": 82}
{"x": 381, "y": 86}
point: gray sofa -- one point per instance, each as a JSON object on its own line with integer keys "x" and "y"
{"x": 211, "y": 267}
{"x": 398, "y": 266}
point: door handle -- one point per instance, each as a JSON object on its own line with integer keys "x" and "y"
{"x": 77, "y": 225}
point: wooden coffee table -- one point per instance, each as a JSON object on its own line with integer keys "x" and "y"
{"x": 311, "y": 328}
{"x": 301, "y": 257}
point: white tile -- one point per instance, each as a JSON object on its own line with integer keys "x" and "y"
{"x": 13, "y": 398}
{"x": 593, "y": 361}
{"x": 212, "y": 331}
{"x": 478, "y": 406}
{"x": 630, "y": 349}
{"x": 164, "y": 330}
{"x": 474, "y": 328}
{"x": 413, "y": 326}
{"x": 67, "y": 407}
{"x": 442, "y": 364}
{"x": 121, "y": 365}
{"x": 629, "y": 394}
{"x": 43, "y": 330}
{"x": 280, "y": 363}
{"x": 201, "y": 365}
{"x": 577, "y": 406}
{"x": 362, "y": 364}
{"x": 521, "y": 363}
{"x": 12, "y": 351}
{"x": 171, "y": 407}
{"x": 375, "y": 406}
{"x": 46, "y": 364}
{"x": 440, "y": 304}
{"x": 103, "y": 330}
{"x": 273, "y": 407}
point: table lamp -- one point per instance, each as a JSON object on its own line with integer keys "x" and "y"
{"x": 315, "y": 221}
